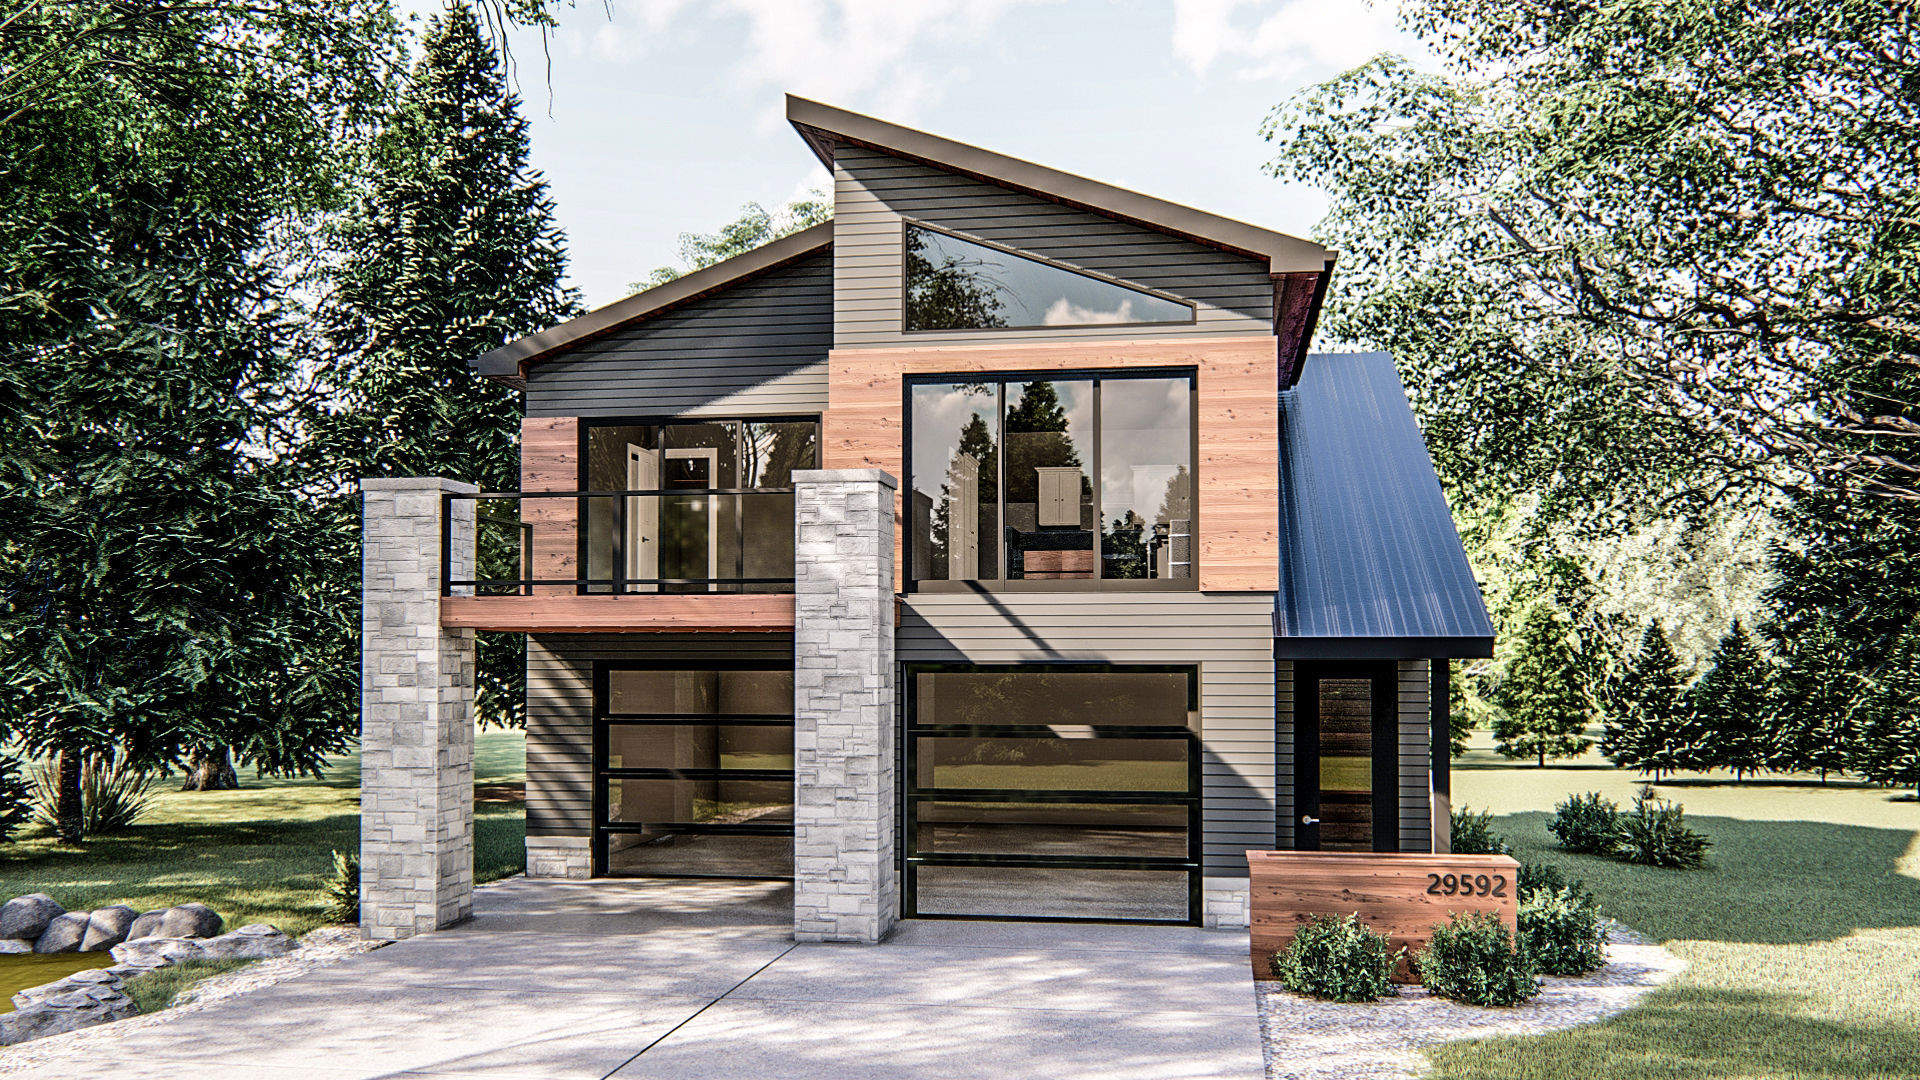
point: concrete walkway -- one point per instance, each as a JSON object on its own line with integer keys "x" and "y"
{"x": 555, "y": 981}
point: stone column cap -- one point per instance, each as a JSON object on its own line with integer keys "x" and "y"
{"x": 846, "y": 476}
{"x": 418, "y": 483}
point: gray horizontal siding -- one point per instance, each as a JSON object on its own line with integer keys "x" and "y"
{"x": 1416, "y": 763}
{"x": 1232, "y": 294}
{"x": 757, "y": 348}
{"x": 560, "y": 710}
{"x": 1227, "y": 635}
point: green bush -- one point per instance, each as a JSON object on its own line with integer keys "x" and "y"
{"x": 16, "y": 797}
{"x": 342, "y": 890}
{"x": 1545, "y": 877}
{"x": 1589, "y": 824}
{"x": 1473, "y": 959}
{"x": 112, "y": 795}
{"x": 1560, "y": 931}
{"x": 1473, "y": 834}
{"x": 1337, "y": 959}
{"x": 1656, "y": 834}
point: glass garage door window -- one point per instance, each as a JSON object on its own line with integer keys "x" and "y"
{"x": 693, "y": 771}
{"x": 1052, "y": 792}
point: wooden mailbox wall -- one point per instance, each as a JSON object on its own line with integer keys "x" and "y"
{"x": 1403, "y": 896}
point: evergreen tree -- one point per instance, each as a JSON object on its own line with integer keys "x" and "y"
{"x": 1645, "y": 714}
{"x": 451, "y": 250}
{"x": 1888, "y": 748}
{"x": 1728, "y": 708}
{"x": 1817, "y": 694}
{"x": 1544, "y": 708}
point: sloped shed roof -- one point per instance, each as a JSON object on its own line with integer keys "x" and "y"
{"x": 1371, "y": 563}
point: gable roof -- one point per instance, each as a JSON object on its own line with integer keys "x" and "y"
{"x": 1370, "y": 557}
{"x": 507, "y": 363}
{"x": 822, "y": 125}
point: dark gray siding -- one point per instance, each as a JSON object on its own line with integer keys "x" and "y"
{"x": 758, "y": 348}
{"x": 1233, "y": 294}
{"x": 1228, "y": 635}
{"x": 560, "y": 710}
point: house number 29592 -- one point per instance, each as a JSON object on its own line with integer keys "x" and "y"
{"x": 1467, "y": 884}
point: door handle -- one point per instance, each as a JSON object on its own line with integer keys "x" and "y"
{"x": 1305, "y": 820}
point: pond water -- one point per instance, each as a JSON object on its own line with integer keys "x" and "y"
{"x": 29, "y": 969}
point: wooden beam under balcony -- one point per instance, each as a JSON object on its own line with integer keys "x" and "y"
{"x": 631, "y": 614}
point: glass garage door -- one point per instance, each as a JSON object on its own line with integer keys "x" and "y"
{"x": 693, "y": 772}
{"x": 1052, "y": 792}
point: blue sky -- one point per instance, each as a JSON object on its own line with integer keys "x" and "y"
{"x": 664, "y": 116}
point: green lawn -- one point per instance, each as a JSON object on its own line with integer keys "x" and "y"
{"x": 258, "y": 854}
{"x": 1802, "y": 936}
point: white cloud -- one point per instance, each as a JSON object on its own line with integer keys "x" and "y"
{"x": 1285, "y": 39}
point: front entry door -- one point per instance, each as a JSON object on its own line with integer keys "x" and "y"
{"x": 1345, "y": 757}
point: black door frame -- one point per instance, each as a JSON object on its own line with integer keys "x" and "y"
{"x": 1386, "y": 748}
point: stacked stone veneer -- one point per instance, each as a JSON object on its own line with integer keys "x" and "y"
{"x": 1226, "y": 902}
{"x": 560, "y": 857}
{"x": 416, "y": 713}
{"x": 845, "y": 887}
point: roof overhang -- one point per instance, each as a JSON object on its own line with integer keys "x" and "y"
{"x": 508, "y": 363}
{"x": 1382, "y": 648}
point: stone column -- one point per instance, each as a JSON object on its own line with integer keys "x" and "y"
{"x": 416, "y": 713}
{"x": 845, "y": 886}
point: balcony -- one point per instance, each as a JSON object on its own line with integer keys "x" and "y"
{"x": 659, "y": 559}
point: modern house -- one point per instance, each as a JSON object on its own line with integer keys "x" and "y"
{"x": 995, "y": 549}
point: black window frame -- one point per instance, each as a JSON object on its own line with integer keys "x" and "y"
{"x": 906, "y": 223}
{"x": 1097, "y": 583}
{"x": 1384, "y": 775}
{"x": 604, "y": 719}
{"x": 910, "y": 794}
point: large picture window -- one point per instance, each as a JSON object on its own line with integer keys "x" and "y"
{"x": 1083, "y": 478}
{"x": 956, "y": 284}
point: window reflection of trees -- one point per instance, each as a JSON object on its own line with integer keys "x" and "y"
{"x": 949, "y": 291}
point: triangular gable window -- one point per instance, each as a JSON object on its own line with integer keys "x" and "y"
{"x": 955, "y": 284}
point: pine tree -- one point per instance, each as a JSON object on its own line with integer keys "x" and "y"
{"x": 1729, "y": 708}
{"x": 1643, "y": 727}
{"x": 1544, "y": 708}
{"x": 451, "y": 250}
{"x": 1817, "y": 694}
{"x": 1887, "y": 750}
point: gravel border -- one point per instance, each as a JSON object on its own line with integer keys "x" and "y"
{"x": 323, "y": 947}
{"x": 1304, "y": 1038}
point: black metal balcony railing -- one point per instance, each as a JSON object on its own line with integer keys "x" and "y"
{"x": 666, "y": 540}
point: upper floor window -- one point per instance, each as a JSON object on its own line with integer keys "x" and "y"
{"x": 955, "y": 284}
{"x": 1073, "y": 479}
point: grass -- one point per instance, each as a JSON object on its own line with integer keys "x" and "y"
{"x": 258, "y": 854}
{"x": 1802, "y": 935}
{"x": 160, "y": 988}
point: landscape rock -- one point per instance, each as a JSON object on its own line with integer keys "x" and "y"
{"x": 153, "y": 952}
{"x": 79, "y": 980}
{"x": 190, "y": 921}
{"x": 10, "y": 947}
{"x": 68, "y": 1011}
{"x": 107, "y": 927}
{"x": 147, "y": 925}
{"x": 257, "y": 941}
{"x": 63, "y": 934}
{"x": 25, "y": 918}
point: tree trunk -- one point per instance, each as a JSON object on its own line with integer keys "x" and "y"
{"x": 210, "y": 768}
{"x": 1543, "y": 755}
{"x": 68, "y": 811}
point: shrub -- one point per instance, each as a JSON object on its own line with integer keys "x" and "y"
{"x": 112, "y": 795}
{"x": 342, "y": 890}
{"x": 1656, "y": 834}
{"x": 1588, "y": 823}
{"x": 1473, "y": 959}
{"x": 1337, "y": 959}
{"x": 1545, "y": 877}
{"x": 1560, "y": 931}
{"x": 1473, "y": 834}
{"x": 16, "y": 797}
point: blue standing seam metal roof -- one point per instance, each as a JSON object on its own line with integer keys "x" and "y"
{"x": 1368, "y": 545}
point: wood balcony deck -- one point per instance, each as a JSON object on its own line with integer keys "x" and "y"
{"x": 630, "y": 614}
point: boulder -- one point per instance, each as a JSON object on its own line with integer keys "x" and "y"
{"x": 146, "y": 925}
{"x": 257, "y": 941}
{"x": 107, "y": 927}
{"x": 63, "y": 934}
{"x": 153, "y": 952}
{"x": 79, "y": 980}
{"x": 68, "y": 1011}
{"x": 10, "y": 947}
{"x": 25, "y": 918}
{"x": 190, "y": 920}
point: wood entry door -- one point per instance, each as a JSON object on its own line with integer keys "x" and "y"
{"x": 1346, "y": 756}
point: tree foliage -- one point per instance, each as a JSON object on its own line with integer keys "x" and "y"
{"x": 1645, "y": 713}
{"x": 1544, "y": 707}
{"x": 1729, "y": 710}
{"x": 755, "y": 227}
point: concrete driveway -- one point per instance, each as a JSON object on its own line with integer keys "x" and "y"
{"x": 657, "y": 979}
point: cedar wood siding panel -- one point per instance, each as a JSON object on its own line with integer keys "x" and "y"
{"x": 758, "y": 348}
{"x": 560, "y": 710}
{"x": 550, "y": 461}
{"x": 1232, "y": 294}
{"x": 1229, "y": 637}
{"x": 1238, "y": 471}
